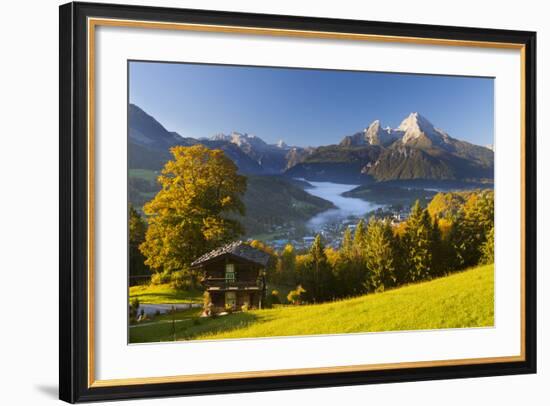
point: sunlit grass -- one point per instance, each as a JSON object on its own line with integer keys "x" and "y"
{"x": 160, "y": 294}
{"x": 464, "y": 299}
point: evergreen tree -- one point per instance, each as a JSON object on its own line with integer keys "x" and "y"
{"x": 318, "y": 279}
{"x": 302, "y": 267}
{"x": 286, "y": 266}
{"x": 418, "y": 244}
{"x": 359, "y": 237}
{"x": 357, "y": 271}
{"x": 440, "y": 252}
{"x": 400, "y": 259}
{"x": 347, "y": 244}
{"x": 456, "y": 243}
{"x": 472, "y": 227}
{"x": 380, "y": 254}
{"x": 349, "y": 269}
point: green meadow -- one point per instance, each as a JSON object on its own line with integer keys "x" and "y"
{"x": 463, "y": 299}
{"x": 162, "y": 294}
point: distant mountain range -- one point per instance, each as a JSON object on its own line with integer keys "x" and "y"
{"x": 414, "y": 150}
{"x": 149, "y": 144}
{"x": 272, "y": 158}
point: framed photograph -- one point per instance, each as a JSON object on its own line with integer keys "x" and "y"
{"x": 258, "y": 202}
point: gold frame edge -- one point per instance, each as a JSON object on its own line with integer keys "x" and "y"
{"x": 94, "y": 22}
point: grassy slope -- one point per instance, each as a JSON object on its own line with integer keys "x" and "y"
{"x": 464, "y": 299}
{"x": 159, "y": 294}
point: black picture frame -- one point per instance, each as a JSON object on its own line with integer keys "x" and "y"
{"x": 74, "y": 200}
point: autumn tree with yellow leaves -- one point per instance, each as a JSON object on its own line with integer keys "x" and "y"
{"x": 191, "y": 214}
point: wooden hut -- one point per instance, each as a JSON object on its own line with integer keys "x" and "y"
{"x": 234, "y": 275}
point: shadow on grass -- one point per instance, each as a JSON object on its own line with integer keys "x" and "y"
{"x": 163, "y": 296}
{"x": 190, "y": 328}
{"x": 167, "y": 297}
{"x": 221, "y": 324}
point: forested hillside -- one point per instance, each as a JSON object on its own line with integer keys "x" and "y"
{"x": 269, "y": 200}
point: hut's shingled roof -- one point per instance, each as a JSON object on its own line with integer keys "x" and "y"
{"x": 238, "y": 249}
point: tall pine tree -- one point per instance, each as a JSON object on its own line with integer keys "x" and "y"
{"x": 471, "y": 229}
{"x": 286, "y": 266}
{"x": 318, "y": 278}
{"x": 347, "y": 244}
{"x": 359, "y": 237}
{"x": 418, "y": 244}
{"x": 380, "y": 254}
{"x": 349, "y": 269}
{"x": 440, "y": 254}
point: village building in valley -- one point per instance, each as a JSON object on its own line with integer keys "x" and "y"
{"x": 234, "y": 276}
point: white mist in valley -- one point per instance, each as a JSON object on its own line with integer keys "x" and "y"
{"x": 345, "y": 206}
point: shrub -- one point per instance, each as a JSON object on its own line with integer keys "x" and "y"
{"x": 133, "y": 309}
{"x": 295, "y": 296}
{"x": 134, "y": 303}
{"x": 179, "y": 280}
{"x": 245, "y": 307}
{"x": 160, "y": 278}
{"x": 142, "y": 316}
{"x": 229, "y": 308}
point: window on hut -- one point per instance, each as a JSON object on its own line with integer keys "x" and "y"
{"x": 230, "y": 273}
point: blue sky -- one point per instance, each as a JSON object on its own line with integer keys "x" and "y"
{"x": 306, "y": 107}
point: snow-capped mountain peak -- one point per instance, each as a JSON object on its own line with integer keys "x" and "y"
{"x": 415, "y": 126}
{"x": 376, "y": 135}
{"x": 413, "y": 129}
{"x": 218, "y": 137}
{"x": 242, "y": 140}
{"x": 372, "y": 134}
{"x": 375, "y": 125}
